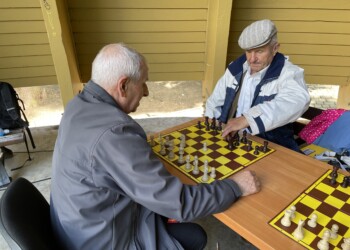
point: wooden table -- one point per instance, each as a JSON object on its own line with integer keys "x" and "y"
{"x": 284, "y": 174}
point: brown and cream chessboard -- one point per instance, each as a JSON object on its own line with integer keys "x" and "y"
{"x": 331, "y": 204}
{"x": 207, "y": 145}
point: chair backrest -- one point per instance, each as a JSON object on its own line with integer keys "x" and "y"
{"x": 25, "y": 217}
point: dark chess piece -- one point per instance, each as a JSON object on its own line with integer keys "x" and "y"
{"x": 244, "y": 137}
{"x": 333, "y": 179}
{"x": 199, "y": 125}
{"x": 265, "y": 146}
{"x": 206, "y": 122}
{"x": 256, "y": 151}
{"x": 230, "y": 143}
{"x": 346, "y": 182}
{"x": 249, "y": 145}
{"x": 213, "y": 124}
{"x": 220, "y": 126}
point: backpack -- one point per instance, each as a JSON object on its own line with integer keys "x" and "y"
{"x": 11, "y": 112}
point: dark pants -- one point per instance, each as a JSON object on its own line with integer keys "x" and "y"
{"x": 190, "y": 235}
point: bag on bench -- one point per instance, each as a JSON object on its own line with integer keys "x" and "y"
{"x": 11, "y": 112}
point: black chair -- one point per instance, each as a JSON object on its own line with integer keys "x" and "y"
{"x": 25, "y": 217}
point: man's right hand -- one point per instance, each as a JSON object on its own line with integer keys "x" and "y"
{"x": 247, "y": 181}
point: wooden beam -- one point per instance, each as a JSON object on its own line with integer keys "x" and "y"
{"x": 344, "y": 97}
{"x": 219, "y": 16}
{"x": 56, "y": 19}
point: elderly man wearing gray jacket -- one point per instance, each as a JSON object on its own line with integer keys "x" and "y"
{"x": 109, "y": 190}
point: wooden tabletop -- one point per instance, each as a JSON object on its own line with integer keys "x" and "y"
{"x": 284, "y": 175}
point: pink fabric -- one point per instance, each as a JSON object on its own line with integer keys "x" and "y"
{"x": 318, "y": 125}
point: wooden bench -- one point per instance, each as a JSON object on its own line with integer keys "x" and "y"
{"x": 298, "y": 125}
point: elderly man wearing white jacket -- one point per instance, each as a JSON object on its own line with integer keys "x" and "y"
{"x": 261, "y": 91}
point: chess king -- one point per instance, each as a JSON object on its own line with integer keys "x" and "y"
{"x": 261, "y": 91}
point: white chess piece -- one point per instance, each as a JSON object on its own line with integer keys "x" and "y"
{"x": 293, "y": 209}
{"x": 346, "y": 244}
{"x": 313, "y": 221}
{"x": 206, "y": 165}
{"x": 188, "y": 164}
{"x": 286, "y": 220}
{"x": 324, "y": 244}
{"x": 205, "y": 146}
{"x": 181, "y": 157}
{"x": 299, "y": 231}
{"x": 205, "y": 177}
{"x": 334, "y": 231}
{"x": 195, "y": 168}
{"x": 213, "y": 174}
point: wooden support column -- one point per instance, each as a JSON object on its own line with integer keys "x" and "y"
{"x": 62, "y": 48}
{"x": 344, "y": 97}
{"x": 219, "y": 16}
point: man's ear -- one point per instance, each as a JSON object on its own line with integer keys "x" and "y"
{"x": 122, "y": 86}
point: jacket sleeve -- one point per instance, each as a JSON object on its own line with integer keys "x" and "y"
{"x": 128, "y": 158}
{"x": 290, "y": 100}
{"x": 216, "y": 100}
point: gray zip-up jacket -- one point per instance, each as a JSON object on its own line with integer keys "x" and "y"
{"x": 110, "y": 191}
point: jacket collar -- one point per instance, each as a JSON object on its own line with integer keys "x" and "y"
{"x": 99, "y": 93}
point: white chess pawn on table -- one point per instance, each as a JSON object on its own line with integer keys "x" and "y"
{"x": 286, "y": 220}
{"x": 293, "y": 209}
{"x": 313, "y": 221}
{"x": 205, "y": 146}
{"x": 324, "y": 243}
{"x": 213, "y": 174}
{"x": 346, "y": 244}
{"x": 334, "y": 231}
{"x": 205, "y": 177}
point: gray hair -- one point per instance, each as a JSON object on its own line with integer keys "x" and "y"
{"x": 114, "y": 61}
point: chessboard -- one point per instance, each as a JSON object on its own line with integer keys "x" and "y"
{"x": 327, "y": 203}
{"x": 206, "y": 146}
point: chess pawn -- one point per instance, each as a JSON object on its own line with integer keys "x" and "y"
{"x": 195, "y": 168}
{"x": 334, "y": 231}
{"x": 346, "y": 244}
{"x": 299, "y": 232}
{"x": 323, "y": 244}
{"x": 204, "y": 146}
{"x": 313, "y": 221}
{"x": 205, "y": 177}
{"x": 293, "y": 209}
{"x": 286, "y": 220}
{"x": 213, "y": 174}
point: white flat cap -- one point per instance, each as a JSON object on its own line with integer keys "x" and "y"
{"x": 257, "y": 34}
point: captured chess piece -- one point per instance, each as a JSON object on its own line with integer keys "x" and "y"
{"x": 334, "y": 231}
{"x": 299, "y": 231}
{"x": 286, "y": 220}
{"x": 312, "y": 222}
{"x": 324, "y": 243}
{"x": 346, "y": 244}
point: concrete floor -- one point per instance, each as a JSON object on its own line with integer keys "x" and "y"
{"x": 168, "y": 105}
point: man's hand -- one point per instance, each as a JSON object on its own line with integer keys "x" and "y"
{"x": 247, "y": 181}
{"x": 233, "y": 125}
